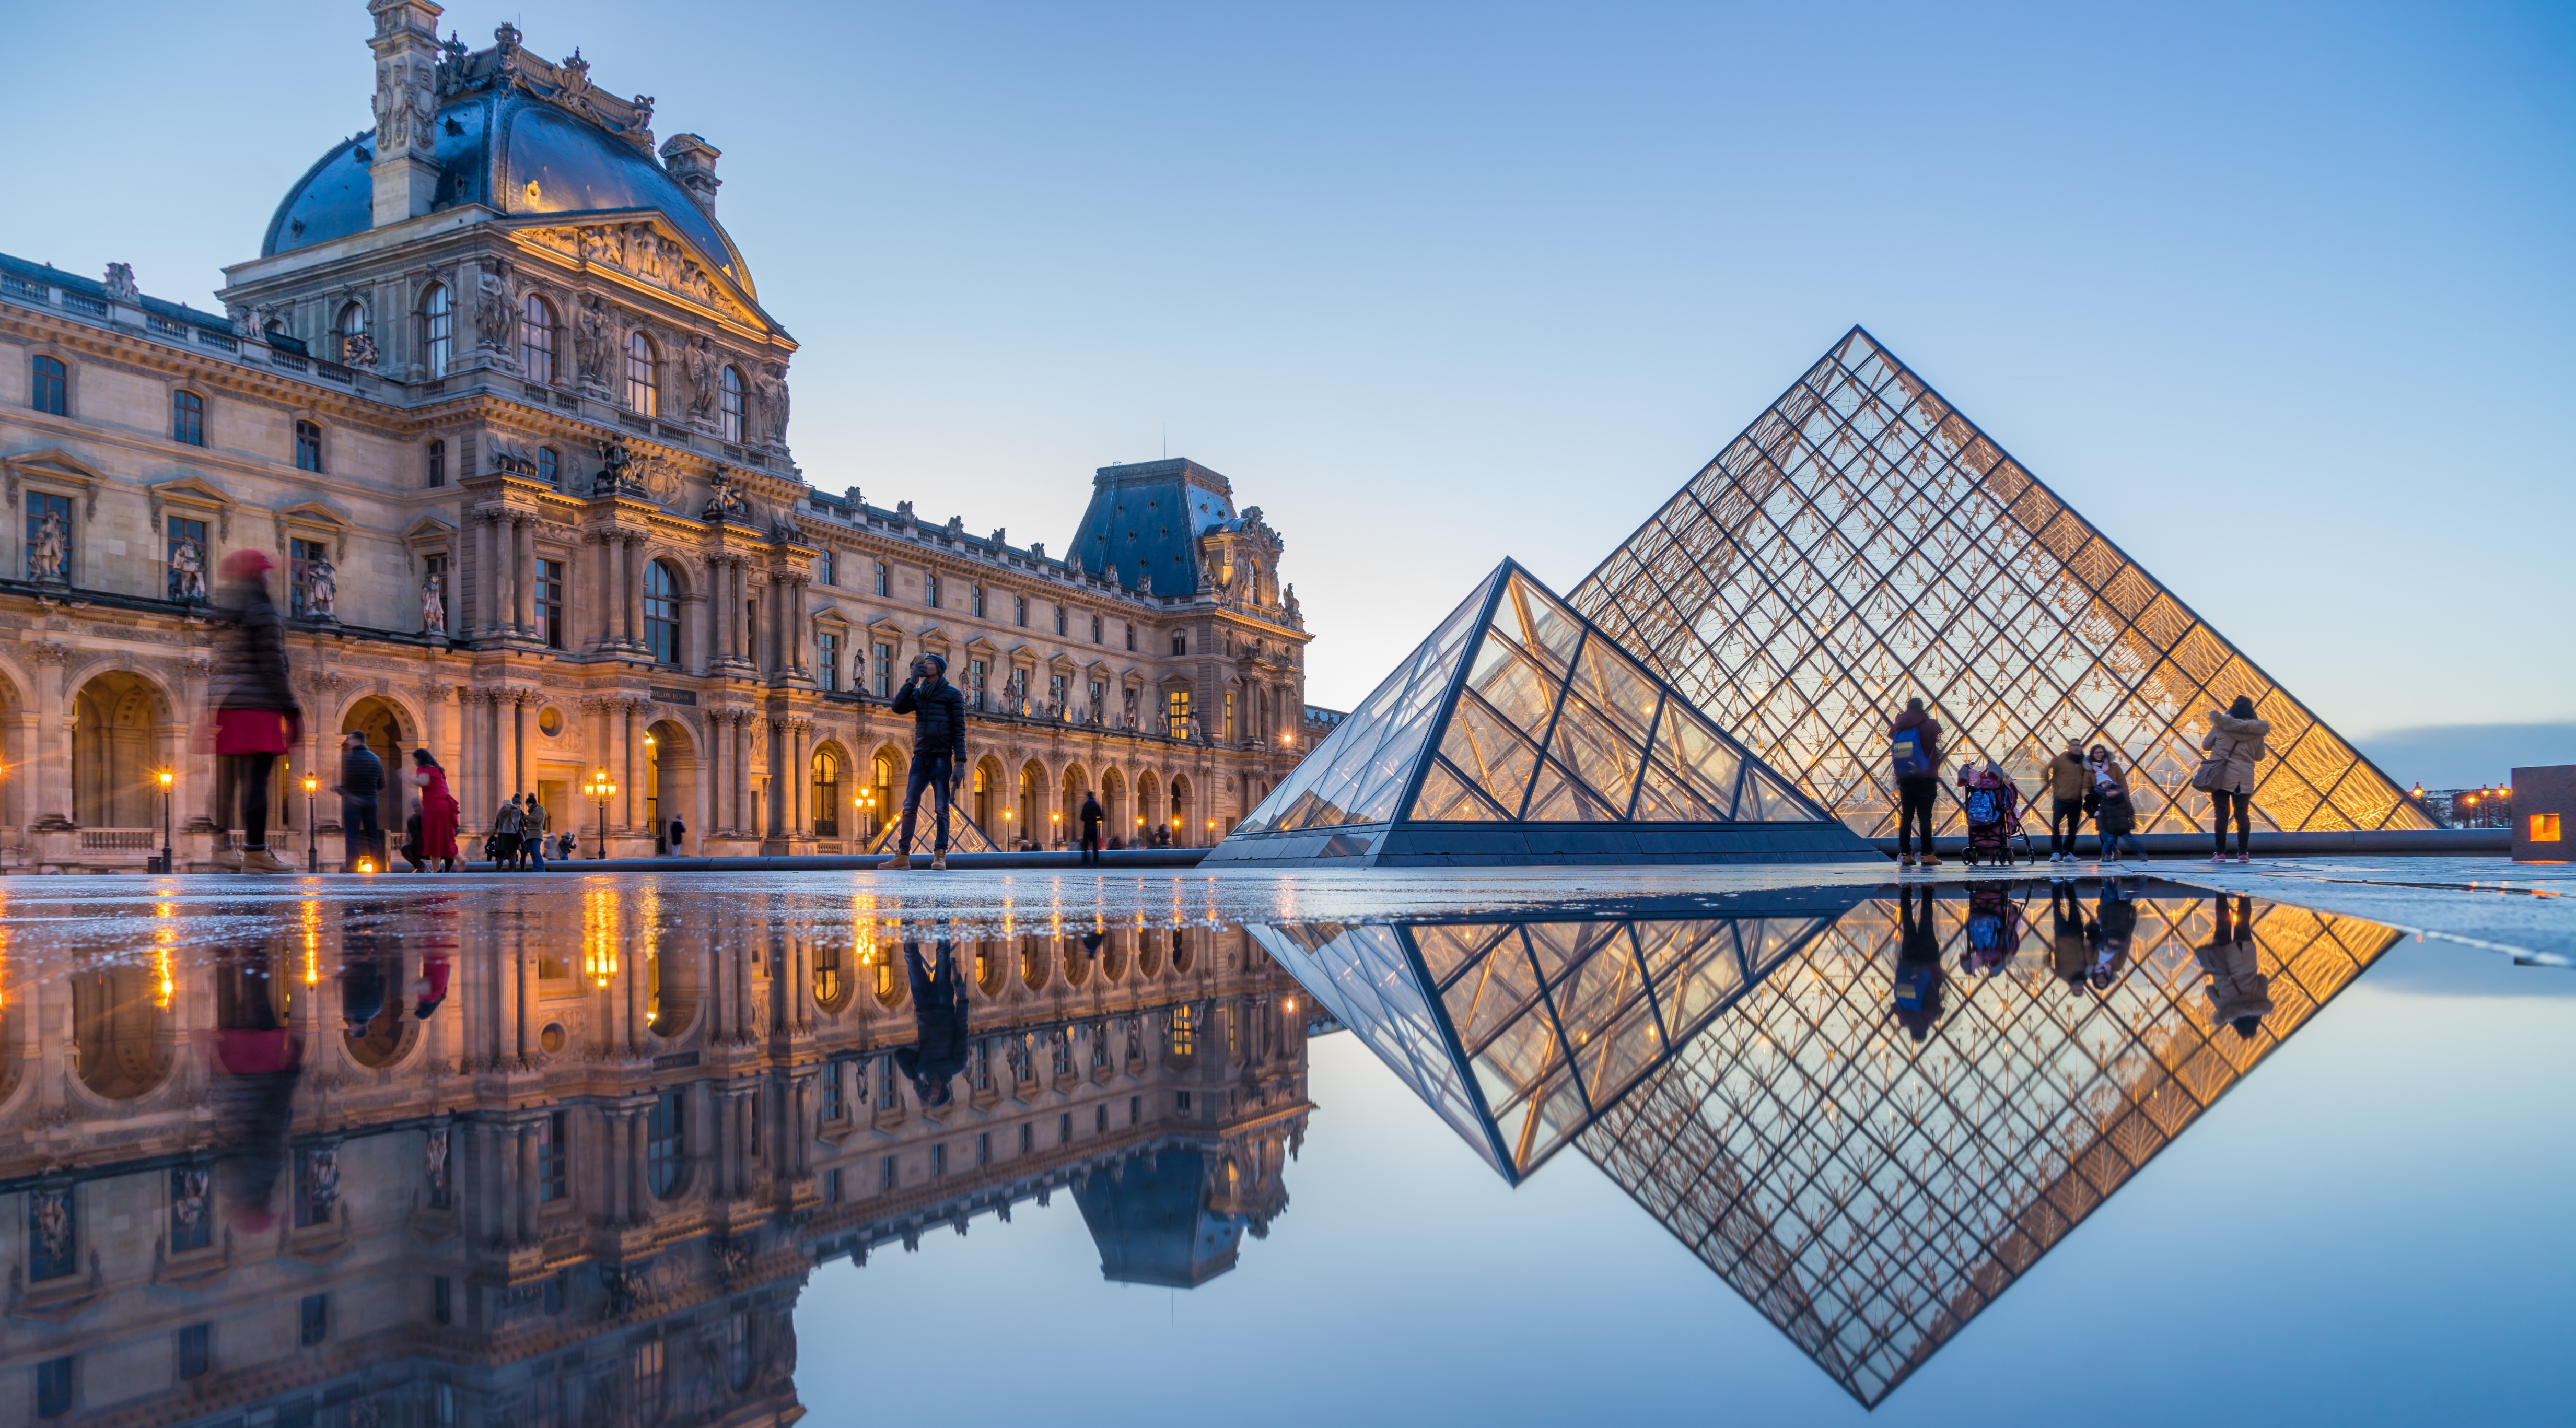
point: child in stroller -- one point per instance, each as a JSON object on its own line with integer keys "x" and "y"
{"x": 1993, "y": 807}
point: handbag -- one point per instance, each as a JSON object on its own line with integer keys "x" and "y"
{"x": 2211, "y": 773}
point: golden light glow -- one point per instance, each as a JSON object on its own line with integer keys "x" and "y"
{"x": 166, "y": 776}
{"x": 165, "y": 981}
{"x": 366, "y": 865}
{"x": 311, "y": 784}
{"x": 599, "y": 938}
{"x": 312, "y": 942}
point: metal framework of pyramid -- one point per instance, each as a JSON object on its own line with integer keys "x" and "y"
{"x": 1741, "y": 1079}
{"x": 1862, "y": 542}
{"x": 1519, "y": 733}
{"x": 963, "y": 835}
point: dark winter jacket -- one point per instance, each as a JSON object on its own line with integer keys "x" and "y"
{"x": 1930, "y": 738}
{"x": 1091, "y": 816}
{"x": 938, "y": 718}
{"x": 362, "y": 774}
{"x": 253, "y": 674}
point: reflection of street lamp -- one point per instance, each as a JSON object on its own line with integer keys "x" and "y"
{"x": 1055, "y": 827}
{"x": 166, "y": 777}
{"x": 601, "y": 790}
{"x": 312, "y": 841}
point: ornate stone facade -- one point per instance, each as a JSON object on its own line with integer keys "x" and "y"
{"x": 528, "y": 476}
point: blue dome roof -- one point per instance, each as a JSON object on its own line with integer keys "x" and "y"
{"x": 575, "y": 168}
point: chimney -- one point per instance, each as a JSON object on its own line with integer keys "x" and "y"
{"x": 692, "y": 161}
{"x": 405, "y": 170}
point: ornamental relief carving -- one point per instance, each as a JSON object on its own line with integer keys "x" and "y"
{"x": 640, "y": 250}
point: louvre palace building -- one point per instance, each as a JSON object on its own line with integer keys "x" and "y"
{"x": 499, "y": 399}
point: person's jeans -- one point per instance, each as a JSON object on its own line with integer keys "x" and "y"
{"x": 249, "y": 794}
{"x": 360, "y": 834}
{"x": 2220, "y": 803}
{"x": 2065, "y": 822}
{"x": 1914, "y": 800}
{"x": 534, "y": 849}
{"x": 932, "y": 771}
{"x": 1091, "y": 844}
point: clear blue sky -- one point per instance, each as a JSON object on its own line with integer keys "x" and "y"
{"x": 2279, "y": 297}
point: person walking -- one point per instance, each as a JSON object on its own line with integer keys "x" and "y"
{"x": 362, "y": 781}
{"x": 503, "y": 846}
{"x": 2068, "y": 782}
{"x": 938, "y": 713}
{"x": 2114, "y": 816}
{"x": 679, "y": 836}
{"x": 1914, "y": 742}
{"x": 1090, "y": 818}
{"x": 2235, "y": 745}
{"x": 256, "y": 718}
{"x": 438, "y": 812}
{"x": 532, "y": 831}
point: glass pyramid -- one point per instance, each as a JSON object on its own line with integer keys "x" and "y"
{"x": 1520, "y": 733}
{"x": 1744, "y": 1080}
{"x": 963, "y": 835}
{"x": 1862, "y": 542}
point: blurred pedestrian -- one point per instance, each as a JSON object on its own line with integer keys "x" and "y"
{"x": 679, "y": 835}
{"x": 362, "y": 782}
{"x": 437, "y": 812}
{"x": 2235, "y": 745}
{"x": 1914, "y": 742}
{"x": 1915, "y": 993}
{"x": 1090, "y": 818}
{"x": 256, "y": 717}
{"x": 503, "y": 846}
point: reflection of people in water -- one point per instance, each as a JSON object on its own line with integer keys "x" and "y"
{"x": 2115, "y": 922}
{"x": 367, "y": 975}
{"x": 1916, "y": 996}
{"x": 1994, "y": 928}
{"x": 437, "y": 944}
{"x": 2239, "y": 994}
{"x": 2070, "y": 949}
{"x": 938, "y": 1051}
{"x": 258, "y": 1060}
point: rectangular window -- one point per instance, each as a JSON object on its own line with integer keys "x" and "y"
{"x": 301, "y": 556}
{"x": 828, "y": 648}
{"x": 1020, "y": 610}
{"x": 550, "y": 467}
{"x": 1129, "y": 710}
{"x": 1131, "y": 634}
{"x": 1229, "y": 717}
{"x": 313, "y": 1319}
{"x": 1056, "y": 684}
{"x": 832, "y": 1187}
{"x": 976, "y": 675}
{"x": 975, "y": 596}
{"x": 885, "y": 579}
{"x": 832, "y": 1092}
{"x": 188, "y": 418}
{"x": 1015, "y": 693}
{"x": 317, "y": 1186}
{"x": 881, "y": 671}
{"x": 1135, "y": 1109}
{"x": 183, "y": 555}
{"x": 1180, "y": 643}
{"x": 1028, "y": 1137}
{"x": 1064, "y": 1129}
{"x": 1184, "y": 1039}
{"x": 442, "y": 1299}
{"x": 554, "y": 1157}
{"x": 1059, "y": 621}
{"x": 53, "y": 1233}
{"x": 930, "y": 588}
{"x": 308, "y": 446}
{"x": 49, "y": 387}
{"x": 2544, "y": 828}
{"x": 885, "y": 1174}
{"x": 939, "y": 1159}
{"x": 665, "y": 1134}
{"x": 54, "y": 1387}
{"x": 645, "y": 1373}
{"x": 1181, "y": 1102}
{"x": 550, "y": 603}
{"x": 1095, "y": 629}
{"x": 1176, "y": 714}
{"x": 438, "y": 463}
{"x": 196, "y": 1350}
{"x": 1099, "y": 701}
{"x": 983, "y": 1147}
{"x": 824, "y": 567}
{"x": 192, "y": 1210}
{"x": 49, "y": 537}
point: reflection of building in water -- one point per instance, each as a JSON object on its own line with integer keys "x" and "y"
{"x": 1868, "y": 1192}
{"x": 588, "y": 1188}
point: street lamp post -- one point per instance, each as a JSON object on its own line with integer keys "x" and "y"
{"x": 166, "y": 777}
{"x": 601, "y": 790}
{"x": 312, "y": 841}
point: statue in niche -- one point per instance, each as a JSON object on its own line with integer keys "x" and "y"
{"x": 589, "y": 339}
{"x": 47, "y": 558}
{"x": 321, "y": 589}
{"x": 726, "y": 501}
{"x": 613, "y": 461}
{"x": 433, "y": 605}
{"x": 496, "y": 313}
{"x": 769, "y": 399}
{"x": 188, "y": 572}
{"x": 698, "y": 365}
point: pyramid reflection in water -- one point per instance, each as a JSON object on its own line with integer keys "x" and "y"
{"x": 1751, "y": 1081}
{"x": 1518, "y": 733}
{"x": 1862, "y": 541}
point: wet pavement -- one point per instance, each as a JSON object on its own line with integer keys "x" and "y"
{"x": 698, "y": 1147}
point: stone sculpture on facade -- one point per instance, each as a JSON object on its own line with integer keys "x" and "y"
{"x": 496, "y": 312}
{"x": 590, "y": 340}
{"x": 358, "y": 350}
{"x": 698, "y": 366}
{"x": 48, "y": 558}
{"x": 120, "y": 283}
{"x": 188, "y": 572}
{"x": 321, "y": 589}
{"x": 433, "y": 605}
{"x": 726, "y": 501}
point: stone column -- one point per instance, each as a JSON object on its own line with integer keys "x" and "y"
{"x": 796, "y": 603}
{"x": 604, "y": 580}
{"x": 800, "y": 775}
{"x": 629, "y": 797}
{"x": 523, "y": 573}
{"x": 520, "y": 699}
{"x": 527, "y": 1186}
{"x": 53, "y": 749}
{"x": 710, "y": 815}
{"x": 631, "y": 608}
{"x": 741, "y": 771}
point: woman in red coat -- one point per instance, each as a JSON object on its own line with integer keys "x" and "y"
{"x": 437, "y": 810}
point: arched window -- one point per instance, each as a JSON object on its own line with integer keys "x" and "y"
{"x": 188, "y": 418}
{"x": 643, "y": 376}
{"x": 662, "y": 613}
{"x": 352, "y": 327}
{"x": 827, "y": 794}
{"x": 537, "y": 339}
{"x": 49, "y": 387}
{"x": 665, "y": 1146}
{"x": 308, "y": 446}
{"x": 549, "y": 466}
{"x": 729, "y": 403}
{"x": 438, "y": 330}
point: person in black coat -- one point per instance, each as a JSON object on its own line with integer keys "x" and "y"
{"x": 938, "y": 1050}
{"x": 1091, "y": 818}
{"x": 362, "y": 783}
{"x": 938, "y": 713}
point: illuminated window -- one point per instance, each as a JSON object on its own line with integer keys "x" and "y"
{"x": 1176, "y": 714}
{"x": 662, "y": 613}
{"x": 643, "y": 376}
{"x": 537, "y": 340}
{"x": 729, "y": 404}
{"x": 2544, "y": 828}
{"x": 437, "y": 330}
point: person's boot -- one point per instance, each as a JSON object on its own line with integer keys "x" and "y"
{"x": 228, "y": 858}
{"x": 1928, "y": 860}
{"x": 939, "y": 861}
{"x": 260, "y": 860}
{"x": 899, "y": 862}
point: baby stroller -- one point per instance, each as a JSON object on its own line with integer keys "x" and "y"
{"x": 1994, "y": 823}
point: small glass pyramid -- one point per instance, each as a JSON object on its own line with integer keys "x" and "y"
{"x": 1519, "y": 733}
{"x": 963, "y": 835}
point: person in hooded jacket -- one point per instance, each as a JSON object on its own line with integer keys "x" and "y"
{"x": 2240, "y": 995}
{"x": 2070, "y": 952}
{"x": 1918, "y": 781}
{"x": 2235, "y": 745}
{"x": 2068, "y": 781}
{"x": 257, "y": 718}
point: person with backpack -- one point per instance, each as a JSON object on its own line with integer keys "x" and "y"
{"x": 2068, "y": 782}
{"x": 2235, "y": 745}
{"x": 2115, "y": 926}
{"x": 1914, "y": 752}
{"x": 2240, "y": 995}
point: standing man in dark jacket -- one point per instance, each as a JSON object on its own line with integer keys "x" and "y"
{"x": 938, "y": 713}
{"x": 362, "y": 782}
{"x": 2069, "y": 779}
{"x": 938, "y": 1049}
{"x": 1915, "y": 744}
{"x": 1092, "y": 818}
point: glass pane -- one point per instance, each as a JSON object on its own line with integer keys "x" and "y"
{"x": 1711, "y": 766}
{"x": 1559, "y": 797}
{"x": 1445, "y": 948}
{"x": 1614, "y": 683}
{"x": 1491, "y": 995}
{"x": 1551, "y": 633}
{"x": 1485, "y": 748}
{"x": 1588, "y": 743}
{"x": 1521, "y": 693}
{"x": 1447, "y": 798}
{"x": 1665, "y": 797}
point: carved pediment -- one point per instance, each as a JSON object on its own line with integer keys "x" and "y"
{"x": 195, "y": 496}
{"x": 56, "y": 465}
{"x": 644, "y": 246}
